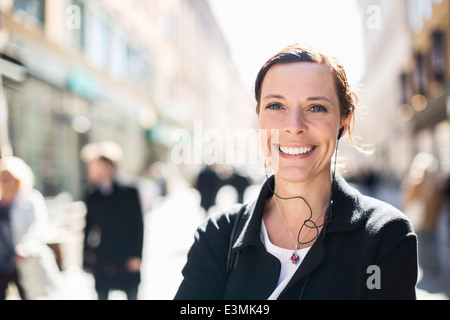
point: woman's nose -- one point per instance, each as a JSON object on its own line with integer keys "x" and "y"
{"x": 295, "y": 122}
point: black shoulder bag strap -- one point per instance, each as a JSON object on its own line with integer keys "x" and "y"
{"x": 232, "y": 258}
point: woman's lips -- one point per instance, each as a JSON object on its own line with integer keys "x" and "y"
{"x": 295, "y": 151}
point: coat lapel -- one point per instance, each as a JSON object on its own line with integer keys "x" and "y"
{"x": 250, "y": 226}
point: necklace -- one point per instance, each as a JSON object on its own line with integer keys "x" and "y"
{"x": 295, "y": 257}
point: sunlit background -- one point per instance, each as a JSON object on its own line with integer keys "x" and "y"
{"x": 171, "y": 81}
{"x": 257, "y": 30}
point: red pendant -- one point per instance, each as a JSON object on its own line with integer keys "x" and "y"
{"x": 295, "y": 258}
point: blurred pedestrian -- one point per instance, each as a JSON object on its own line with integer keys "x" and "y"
{"x": 308, "y": 234}
{"x": 423, "y": 199}
{"x": 208, "y": 184}
{"x": 240, "y": 182}
{"x": 114, "y": 224}
{"x": 25, "y": 258}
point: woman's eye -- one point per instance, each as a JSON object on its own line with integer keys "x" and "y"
{"x": 274, "y": 106}
{"x": 318, "y": 109}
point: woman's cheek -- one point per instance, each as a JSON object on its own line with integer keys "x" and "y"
{"x": 264, "y": 142}
{"x": 269, "y": 138}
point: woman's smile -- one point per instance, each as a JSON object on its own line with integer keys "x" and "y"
{"x": 295, "y": 151}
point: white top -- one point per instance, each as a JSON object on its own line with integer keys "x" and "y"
{"x": 287, "y": 267}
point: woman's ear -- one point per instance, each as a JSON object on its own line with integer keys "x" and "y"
{"x": 345, "y": 125}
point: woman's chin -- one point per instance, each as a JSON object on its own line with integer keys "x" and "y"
{"x": 293, "y": 174}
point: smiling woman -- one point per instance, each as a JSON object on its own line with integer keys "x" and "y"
{"x": 308, "y": 234}
{"x": 304, "y": 96}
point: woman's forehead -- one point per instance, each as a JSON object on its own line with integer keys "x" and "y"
{"x": 312, "y": 78}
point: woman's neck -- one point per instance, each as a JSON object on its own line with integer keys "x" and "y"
{"x": 304, "y": 200}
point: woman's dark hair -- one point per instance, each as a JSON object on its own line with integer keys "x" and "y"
{"x": 305, "y": 53}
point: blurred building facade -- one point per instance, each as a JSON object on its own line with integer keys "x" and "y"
{"x": 128, "y": 71}
{"x": 406, "y": 88}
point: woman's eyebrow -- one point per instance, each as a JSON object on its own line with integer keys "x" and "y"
{"x": 319, "y": 98}
{"x": 274, "y": 96}
{"x": 278, "y": 96}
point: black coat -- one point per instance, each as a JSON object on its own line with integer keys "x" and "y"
{"x": 113, "y": 234}
{"x": 364, "y": 232}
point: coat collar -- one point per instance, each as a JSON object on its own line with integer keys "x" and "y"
{"x": 346, "y": 214}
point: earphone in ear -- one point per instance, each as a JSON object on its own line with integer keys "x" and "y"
{"x": 341, "y": 131}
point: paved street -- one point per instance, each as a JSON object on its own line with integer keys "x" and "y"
{"x": 170, "y": 233}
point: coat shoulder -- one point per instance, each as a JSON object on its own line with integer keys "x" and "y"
{"x": 225, "y": 218}
{"x": 374, "y": 214}
{"x": 379, "y": 214}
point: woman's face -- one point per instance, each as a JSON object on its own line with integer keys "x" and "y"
{"x": 300, "y": 105}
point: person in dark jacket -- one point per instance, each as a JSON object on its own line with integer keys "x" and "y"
{"x": 114, "y": 225}
{"x": 208, "y": 184}
{"x": 240, "y": 182}
{"x": 308, "y": 234}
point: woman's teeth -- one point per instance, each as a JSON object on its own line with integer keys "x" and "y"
{"x": 295, "y": 151}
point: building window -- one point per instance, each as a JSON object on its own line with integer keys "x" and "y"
{"x": 169, "y": 26}
{"x": 119, "y": 55}
{"x": 438, "y": 56}
{"x": 31, "y": 9}
{"x": 405, "y": 89}
{"x": 148, "y": 76}
{"x": 98, "y": 41}
{"x": 418, "y": 12}
{"x": 420, "y": 75}
{"x": 135, "y": 65}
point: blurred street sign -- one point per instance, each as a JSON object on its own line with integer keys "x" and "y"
{"x": 12, "y": 68}
{"x": 83, "y": 83}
